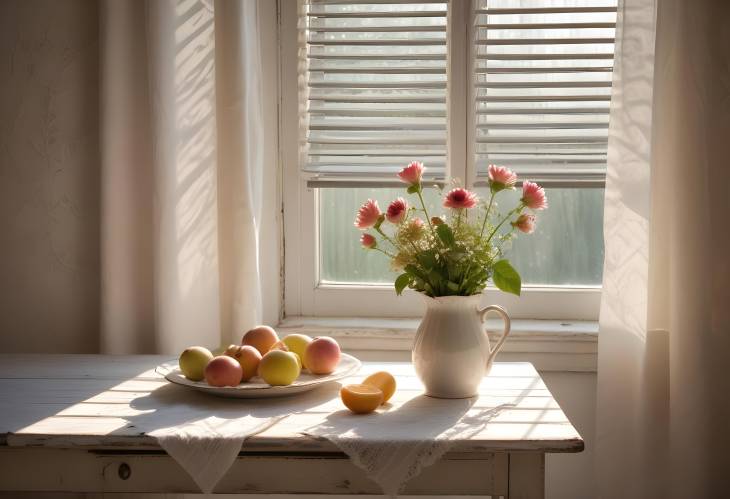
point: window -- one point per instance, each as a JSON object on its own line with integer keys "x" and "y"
{"x": 369, "y": 86}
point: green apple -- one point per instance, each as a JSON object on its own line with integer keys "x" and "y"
{"x": 297, "y": 343}
{"x": 279, "y": 368}
{"x": 193, "y": 361}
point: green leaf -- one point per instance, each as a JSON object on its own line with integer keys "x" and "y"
{"x": 452, "y": 286}
{"x": 445, "y": 234}
{"x": 427, "y": 259}
{"x": 414, "y": 189}
{"x": 401, "y": 282}
{"x": 506, "y": 277}
{"x": 414, "y": 271}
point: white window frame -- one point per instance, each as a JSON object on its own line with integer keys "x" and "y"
{"x": 304, "y": 295}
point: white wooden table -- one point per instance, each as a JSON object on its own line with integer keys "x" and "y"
{"x": 66, "y": 424}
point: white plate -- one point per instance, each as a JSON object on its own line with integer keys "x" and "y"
{"x": 256, "y": 388}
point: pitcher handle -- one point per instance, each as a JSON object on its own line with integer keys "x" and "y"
{"x": 507, "y": 324}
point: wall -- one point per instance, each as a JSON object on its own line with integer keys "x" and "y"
{"x": 49, "y": 176}
{"x": 571, "y": 476}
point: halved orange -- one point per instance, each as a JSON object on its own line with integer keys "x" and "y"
{"x": 361, "y": 399}
{"x": 384, "y": 381}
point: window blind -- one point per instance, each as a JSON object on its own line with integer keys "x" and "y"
{"x": 543, "y": 87}
{"x": 373, "y": 79}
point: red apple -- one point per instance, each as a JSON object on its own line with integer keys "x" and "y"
{"x": 262, "y": 338}
{"x": 223, "y": 371}
{"x": 322, "y": 355}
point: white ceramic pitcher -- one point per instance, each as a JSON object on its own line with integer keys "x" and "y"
{"x": 452, "y": 352}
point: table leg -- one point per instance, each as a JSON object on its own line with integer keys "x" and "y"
{"x": 526, "y": 475}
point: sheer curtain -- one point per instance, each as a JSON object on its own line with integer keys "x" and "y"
{"x": 663, "y": 379}
{"x": 189, "y": 217}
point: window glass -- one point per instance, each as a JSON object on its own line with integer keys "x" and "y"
{"x": 565, "y": 249}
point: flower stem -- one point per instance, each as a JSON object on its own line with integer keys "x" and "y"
{"x": 425, "y": 211}
{"x": 385, "y": 236}
{"x": 384, "y": 252}
{"x": 516, "y": 210}
{"x": 486, "y": 215}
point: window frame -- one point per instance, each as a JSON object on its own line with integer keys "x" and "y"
{"x": 304, "y": 295}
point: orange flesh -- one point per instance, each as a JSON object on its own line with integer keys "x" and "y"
{"x": 361, "y": 399}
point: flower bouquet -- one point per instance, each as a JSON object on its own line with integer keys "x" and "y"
{"x": 457, "y": 253}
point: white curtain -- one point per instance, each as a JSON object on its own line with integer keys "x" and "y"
{"x": 188, "y": 194}
{"x": 664, "y": 343}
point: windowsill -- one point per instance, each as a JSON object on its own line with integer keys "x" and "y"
{"x": 550, "y": 345}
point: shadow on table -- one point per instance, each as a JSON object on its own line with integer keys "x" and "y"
{"x": 421, "y": 418}
{"x": 173, "y": 405}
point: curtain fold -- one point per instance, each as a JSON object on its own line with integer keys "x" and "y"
{"x": 663, "y": 382}
{"x": 184, "y": 176}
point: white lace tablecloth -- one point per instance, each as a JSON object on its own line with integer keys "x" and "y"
{"x": 392, "y": 445}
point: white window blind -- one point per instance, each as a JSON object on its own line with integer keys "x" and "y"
{"x": 543, "y": 87}
{"x": 373, "y": 80}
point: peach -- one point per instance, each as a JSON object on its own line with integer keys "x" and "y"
{"x": 193, "y": 361}
{"x": 248, "y": 357}
{"x": 223, "y": 371}
{"x": 321, "y": 355}
{"x": 279, "y": 345}
{"x": 384, "y": 381}
{"x": 262, "y": 338}
{"x": 361, "y": 399}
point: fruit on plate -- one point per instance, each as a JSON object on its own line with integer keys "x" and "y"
{"x": 248, "y": 357}
{"x": 361, "y": 399}
{"x": 384, "y": 381}
{"x": 279, "y": 368}
{"x": 279, "y": 345}
{"x": 193, "y": 361}
{"x": 262, "y": 338}
{"x": 223, "y": 371}
{"x": 297, "y": 343}
{"x": 321, "y": 355}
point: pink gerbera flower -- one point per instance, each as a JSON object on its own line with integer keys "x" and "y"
{"x": 533, "y": 196}
{"x": 525, "y": 223}
{"x": 412, "y": 173}
{"x": 460, "y": 198}
{"x": 501, "y": 177}
{"x": 367, "y": 215}
{"x": 368, "y": 241}
{"x": 397, "y": 211}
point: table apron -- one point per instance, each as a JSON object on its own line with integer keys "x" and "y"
{"x": 84, "y": 470}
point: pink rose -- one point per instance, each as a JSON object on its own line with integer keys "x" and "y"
{"x": 525, "y": 223}
{"x": 501, "y": 177}
{"x": 460, "y": 198}
{"x": 368, "y": 241}
{"x": 367, "y": 215}
{"x": 412, "y": 173}
{"x": 533, "y": 196}
{"x": 397, "y": 211}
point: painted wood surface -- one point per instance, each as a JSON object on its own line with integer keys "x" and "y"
{"x": 76, "y": 418}
{"x": 83, "y": 471}
{"x": 93, "y": 401}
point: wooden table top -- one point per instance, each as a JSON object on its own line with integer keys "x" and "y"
{"x": 93, "y": 401}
